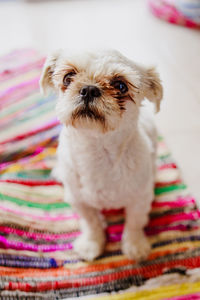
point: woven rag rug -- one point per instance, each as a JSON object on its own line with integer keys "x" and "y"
{"x": 37, "y": 228}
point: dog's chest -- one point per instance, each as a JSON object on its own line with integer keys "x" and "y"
{"x": 104, "y": 179}
{"x": 107, "y": 177}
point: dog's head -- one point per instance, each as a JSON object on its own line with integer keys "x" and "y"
{"x": 99, "y": 90}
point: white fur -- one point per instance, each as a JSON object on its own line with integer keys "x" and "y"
{"x": 113, "y": 169}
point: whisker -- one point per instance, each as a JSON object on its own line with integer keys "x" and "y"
{"x": 134, "y": 86}
{"x": 130, "y": 98}
{"x": 123, "y": 98}
{"x": 120, "y": 97}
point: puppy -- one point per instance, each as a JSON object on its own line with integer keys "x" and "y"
{"x": 107, "y": 146}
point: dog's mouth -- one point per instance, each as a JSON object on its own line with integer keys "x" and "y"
{"x": 86, "y": 112}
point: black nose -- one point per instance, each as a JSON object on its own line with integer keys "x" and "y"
{"x": 89, "y": 92}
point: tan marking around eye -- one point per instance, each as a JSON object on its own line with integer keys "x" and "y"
{"x": 114, "y": 95}
{"x": 59, "y": 75}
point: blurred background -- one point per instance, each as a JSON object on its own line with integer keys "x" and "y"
{"x": 128, "y": 26}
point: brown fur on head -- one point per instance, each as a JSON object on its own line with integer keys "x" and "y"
{"x": 122, "y": 85}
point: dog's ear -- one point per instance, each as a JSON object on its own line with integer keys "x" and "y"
{"x": 151, "y": 87}
{"x": 46, "y": 82}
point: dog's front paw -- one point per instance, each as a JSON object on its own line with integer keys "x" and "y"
{"x": 137, "y": 248}
{"x": 89, "y": 248}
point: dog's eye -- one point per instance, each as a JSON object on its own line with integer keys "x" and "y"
{"x": 68, "y": 78}
{"x": 120, "y": 85}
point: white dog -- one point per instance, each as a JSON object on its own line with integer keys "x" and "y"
{"x": 107, "y": 147}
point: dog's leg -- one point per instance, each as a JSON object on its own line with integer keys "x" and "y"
{"x": 91, "y": 242}
{"x": 134, "y": 242}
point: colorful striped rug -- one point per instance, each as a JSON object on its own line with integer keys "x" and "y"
{"x": 179, "y": 12}
{"x": 37, "y": 228}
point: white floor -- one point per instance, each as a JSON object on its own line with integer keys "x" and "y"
{"x": 128, "y": 26}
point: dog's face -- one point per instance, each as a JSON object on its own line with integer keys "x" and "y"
{"x": 99, "y": 90}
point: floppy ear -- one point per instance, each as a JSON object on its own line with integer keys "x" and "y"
{"x": 152, "y": 88}
{"x": 46, "y": 82}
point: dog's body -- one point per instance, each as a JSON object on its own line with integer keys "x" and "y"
{"x": 101, "y": 170}
{"x": 107, "y": 161}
